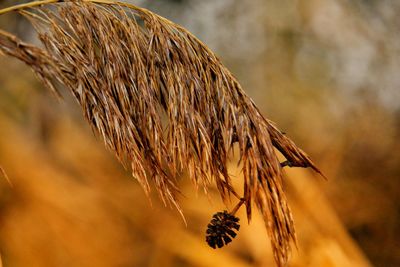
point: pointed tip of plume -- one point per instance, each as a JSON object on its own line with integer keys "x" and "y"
{"x": 164, "y": 103}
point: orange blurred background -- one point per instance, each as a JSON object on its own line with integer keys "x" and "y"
{"x": 326, "y": 71}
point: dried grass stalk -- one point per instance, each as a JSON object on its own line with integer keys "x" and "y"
{"x": 129, "y": 68}
{"x": 5, "y": 176}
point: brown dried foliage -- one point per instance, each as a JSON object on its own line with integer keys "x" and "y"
{"x": 164, "y": 103}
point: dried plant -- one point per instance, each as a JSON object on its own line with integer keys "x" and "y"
{"x": 4, "y": 175}
{"x": 164, "y": 103}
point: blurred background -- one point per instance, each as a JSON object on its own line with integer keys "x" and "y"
{"x": 326, "y": 71}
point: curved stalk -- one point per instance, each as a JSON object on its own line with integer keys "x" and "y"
{"x": 26, "y": 5}
{"x": 46, "y": 2}
{"x": 104, "y": 2}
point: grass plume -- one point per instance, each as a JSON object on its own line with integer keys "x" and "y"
{"x": 163, "y": 102}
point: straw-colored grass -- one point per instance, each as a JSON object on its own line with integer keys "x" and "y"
{"x": 163, "y": 102}
{"x": 4, "y": 175}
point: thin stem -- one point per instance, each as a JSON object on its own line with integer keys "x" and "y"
{"x": 237, "y": 207}
{"x": 26, "y": 5}
{"x": 286, "y": 163}
{"x": 46, "y": 2}
{"x": 4, "y": 174}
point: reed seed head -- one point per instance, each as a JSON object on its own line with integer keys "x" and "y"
{"x": 165, "y": 104}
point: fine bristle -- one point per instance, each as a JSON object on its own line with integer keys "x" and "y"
{"x": 164, "y": 103}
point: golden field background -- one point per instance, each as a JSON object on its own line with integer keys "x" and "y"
{"x": 326, "y": 71}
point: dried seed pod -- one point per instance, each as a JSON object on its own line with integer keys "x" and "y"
{"x": 221, "y": 229}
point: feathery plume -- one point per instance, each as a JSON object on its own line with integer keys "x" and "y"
{"x": 165, "y": 104}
